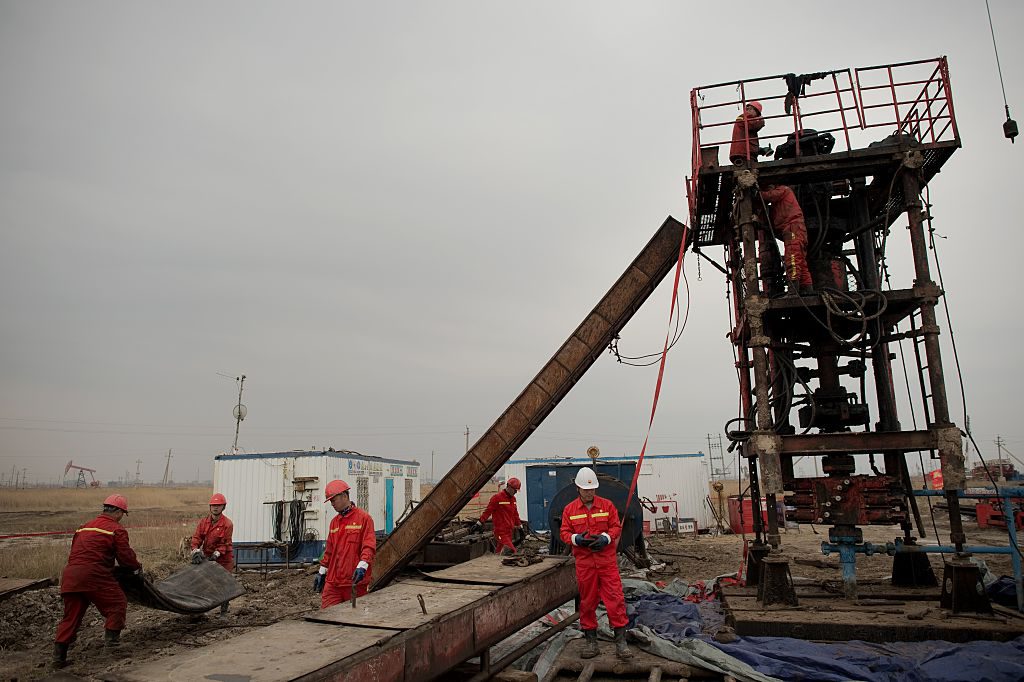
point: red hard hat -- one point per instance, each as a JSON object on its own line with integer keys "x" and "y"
{"x": 119, "y": 501}
{"x": 514, "y": 483}
{"x": 756, "y": 105}
{"x": 218, "y": 499}
{"x": 335, "y": 488}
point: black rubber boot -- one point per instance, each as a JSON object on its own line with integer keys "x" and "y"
{"x": 621, "y": 650}
{"x": 112, "y": 637}
{"x": 60, "y": 655}
{"x": 590, "y": 645}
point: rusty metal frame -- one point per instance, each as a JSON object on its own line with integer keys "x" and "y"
{"x": 583, "y": 347}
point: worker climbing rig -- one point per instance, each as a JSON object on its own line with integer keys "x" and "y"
{"x": 879, "y": 135}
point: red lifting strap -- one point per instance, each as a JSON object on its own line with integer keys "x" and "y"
{"x": 661, "y": 367}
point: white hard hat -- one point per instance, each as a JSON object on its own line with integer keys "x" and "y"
{"x": 586, "y": 479}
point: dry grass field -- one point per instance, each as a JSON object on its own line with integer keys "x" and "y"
{"x": 158, "y": 520}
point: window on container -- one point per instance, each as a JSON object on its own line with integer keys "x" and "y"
{"x": 363, "y": 492}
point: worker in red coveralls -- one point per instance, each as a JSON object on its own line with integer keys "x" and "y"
{"x": 787, "y": 223}
{"x": 591, "y": 525}
{"x": 351, "y": 545}
{"x": 212, "y": 539}
{"x": 744, "y": 134}
{"x": 502, "y": 508}
{"x": 89, "y": 578}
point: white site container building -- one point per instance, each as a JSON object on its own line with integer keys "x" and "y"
{"x": 675, "y": 485}
{"x": 277, "y": 498}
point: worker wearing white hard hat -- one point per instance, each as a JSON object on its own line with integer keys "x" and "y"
{"x": 590, "y": 524}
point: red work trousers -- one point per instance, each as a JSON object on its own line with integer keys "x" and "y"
{"x": 109, "y": 601}
{"x": 503, "y": 538}
{"x": 336, "y": 593}
{"x": 794, "y": 237}
{"x": 600, "y": 583}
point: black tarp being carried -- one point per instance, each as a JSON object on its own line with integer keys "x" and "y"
{"x": 196, "y": 588}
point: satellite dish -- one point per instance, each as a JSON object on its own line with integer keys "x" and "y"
{"x": 239, "y": 412}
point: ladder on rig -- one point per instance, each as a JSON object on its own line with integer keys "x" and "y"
{"x": 586, "y": 343}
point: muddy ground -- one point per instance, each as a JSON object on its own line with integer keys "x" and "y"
{"x": 28, "y": 620}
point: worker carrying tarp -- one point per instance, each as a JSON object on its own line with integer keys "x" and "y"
{"x": 745, "y": 145}
{"x": 88, "y": 577}
{"x": 351, "y": 545}
{"x": 787, "y": 223}
{"x": 502, "y": 508}
{"x": 212, "y": 539}
{"x": 591, "y": 525}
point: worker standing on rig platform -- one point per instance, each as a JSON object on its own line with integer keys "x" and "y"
{"x": 591, "y": 525}
{"x": 351, "y": 545}
{"x": 787, "y": 223}
{"x": 212, "y": 539}
{"x": 89, "y": 578}
{"x": 502, "y": 508}
{"x": 745, "y": 145}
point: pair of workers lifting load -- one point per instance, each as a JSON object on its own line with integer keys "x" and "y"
{"x": 88, "y": 578}
{"x": 781, "y": 209}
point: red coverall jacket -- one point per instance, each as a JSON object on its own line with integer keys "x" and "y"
{"x": 744, "y": 138}
{"x": 597, "y": 573}
{"x": 503, "y": 509}
{"x": 350, "y": 540}
{"x": 89, "y": 576}
{"x": 213, "y": 537}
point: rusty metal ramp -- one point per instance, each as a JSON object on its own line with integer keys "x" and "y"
{"x": 387, "y": 637}
{"x": 584, "y": 345}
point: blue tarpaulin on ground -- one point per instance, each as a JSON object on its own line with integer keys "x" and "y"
{"x": 796, "y": 659}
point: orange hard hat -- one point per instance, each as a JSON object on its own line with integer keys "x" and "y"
{"x": 514, "y": 483}
{"x": 218, "y": 499}
{"x": 119, "y": 501}
{"x": 335, "y": 488}
{"x": 756, "y": 105}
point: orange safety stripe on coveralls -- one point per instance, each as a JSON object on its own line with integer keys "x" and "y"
{"x": 787, "y": 221}
{"x": 351, "y": 539}
{"x": 502, "y": 507}
{"x": 597, "y": 573}
{"x": 215, "y": 537}
{"x": 88, "y": 577}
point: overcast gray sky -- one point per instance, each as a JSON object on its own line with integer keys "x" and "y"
{"x": 389, "y": 215}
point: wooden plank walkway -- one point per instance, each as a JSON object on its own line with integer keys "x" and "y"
{"x": 12, "y": 586}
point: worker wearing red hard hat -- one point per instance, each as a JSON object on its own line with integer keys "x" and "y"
{"x": 590, "y": 524}
{"x": 787, "y": 223}
{"x": 212, "y": 539}
{"x": 502, "y": 508}
{"x": 744, "y": 134}
{"x": 351, "y": 546}
{"x": 89, "y": 578}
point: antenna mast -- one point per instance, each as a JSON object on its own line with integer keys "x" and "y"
{"x": 239, "y": 412}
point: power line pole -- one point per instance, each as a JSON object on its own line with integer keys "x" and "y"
{"x": 432, "y": 479}
{"x": 138, "y": 472}
{"x": 167, "y": 469}
{"x": 239, "y": 413}
{"x": 467, "y": 438}
{"x": 999, "y": 458}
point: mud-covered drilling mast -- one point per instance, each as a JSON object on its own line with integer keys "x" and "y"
{"x": 815, "y": 365}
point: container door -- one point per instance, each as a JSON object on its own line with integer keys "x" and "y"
{"x": 389, "y": 504}
{"x": 536, "y": 509}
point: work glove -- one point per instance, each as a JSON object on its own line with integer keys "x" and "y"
{"x": 478, "y": 526}
{"x": 358, "y": 576}
{"x": 197, "y": 556}
{"x": 599, "y": 542}
{"x": 526, "y": 527}
{"x": 215, "y": 555}
{"x": 320, "y": 579}
{"x": 582, "y": 540}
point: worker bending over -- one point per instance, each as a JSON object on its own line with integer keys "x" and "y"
{"x": 787, "y": 223}
{"x": 89, "y": 578}
{"x": 502, "y": 508}
{"x": 591, "y": 525}
{"x": 351, "y": 545}
{"x": 212, "y": 539}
